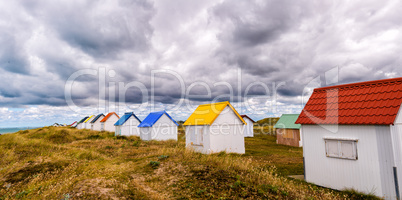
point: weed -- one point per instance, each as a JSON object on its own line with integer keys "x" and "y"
{"x": 154, "y": 164}
{"x": 66, "y": 196}
{"x": 22, "y": 194}
{"x": 94, "y": 137}
{"x": 136, "y": 143}
{"x": 121, "y": 137}
{"x": 163, "y": 157}
{"x": 353, "y": 194}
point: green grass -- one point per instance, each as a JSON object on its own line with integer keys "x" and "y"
{"x": 286, "y": 159}
{"x": 65, "y": 163}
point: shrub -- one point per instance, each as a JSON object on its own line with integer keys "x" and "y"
{"x": 154, "y": 164}
{"x": 136, "y": 143}
{"x": 163, "y": 157}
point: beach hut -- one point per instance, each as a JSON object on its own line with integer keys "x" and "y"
{"x": 87, "y": 122}
{"x": 107, "y": 123}
{"x": 352, "y": 137}
{"x": 158, "y": 126}
{"x": 74, "y": 124}
{"x": 96, "y": 122}
{"x": 80, "y": 124}
{"x": 127, "y": 125}
{"x": 56, "y": 125}
{"x": 249, "y": 127}
{"x": 287, "y": 132}
{"x": 215, "y": 127}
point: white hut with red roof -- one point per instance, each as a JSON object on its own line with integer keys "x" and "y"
{"x": 352, "y": 137}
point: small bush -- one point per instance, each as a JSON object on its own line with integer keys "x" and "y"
{"x": 94, "y": 137}
{"x": 60, "y": 137}
{"x": 136, "y": 143}
{"x": 163, "y": 157}
{"x": 121, "y": 137}
{"x": 154, "y": 164}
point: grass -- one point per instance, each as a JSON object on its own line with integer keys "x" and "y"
{"x": 286, "y": 159}
{"x": 65, "y": 163}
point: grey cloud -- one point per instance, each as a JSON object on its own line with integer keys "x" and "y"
{"x": 269, "y": 41}
{"x": 103, "y": 35}
{"x": 12, "y": 56}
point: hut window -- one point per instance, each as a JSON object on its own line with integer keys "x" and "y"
{"x": 197, "y": 136}
{"x": 346, "y": 149}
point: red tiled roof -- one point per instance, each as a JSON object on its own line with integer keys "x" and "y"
{"x": 108, "y": 115}
{"x": 372, "y": 102}
{"x": 243, "y": 116}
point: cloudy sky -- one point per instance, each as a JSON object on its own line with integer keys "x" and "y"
{"x": 61, "y": 61}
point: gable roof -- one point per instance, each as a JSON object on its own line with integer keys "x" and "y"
{"x": 153, "y": 117}
{"x": 87, "y": 120}
{"x": 83, "y": 119}
{"x": 97, "y": 117}
{"x": 73, "y": 123}
{"x": 207, "y": 113}
{"x": 365, "y": 103}
{"x": 288, "y": 121}
{"x": 124, "y": 118}
{"x": 109, "y": 115}
{"x": 245, "y": 116}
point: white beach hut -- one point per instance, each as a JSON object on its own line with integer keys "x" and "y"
{"x": 158, "y": 126}
{"x": 352, "y": 137}
{"x": 80, "y": 124}
{"x": 127, "y": 125}
{"x": 249, "y": 127}
{"x": 107, "y": 123}
{"x": 214, "y": 128}
{"x": 96, "y": 122}
{"x": 87, "y": 122}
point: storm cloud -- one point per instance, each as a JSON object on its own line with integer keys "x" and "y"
{"x": 266, "y": 54}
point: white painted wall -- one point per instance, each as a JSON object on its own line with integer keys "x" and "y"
{"x": 225, "y": 134}
{"x": 108, "y": 125}
{"x": 130, "y": 127}
{"x": 193, "y": 131}
{"x": 370, "y": 173}
{"x": 96, "y": 126}
{"x": 145, "y": 133}
{"x": 79, "y": 126}
{"x": 249, "y": 128}
{"x": 396, "y": 131}
{"x": 88, "y": 124}
{"x": 163, "y": 129}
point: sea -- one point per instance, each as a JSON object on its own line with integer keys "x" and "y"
{"x": 14, "y": 129}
